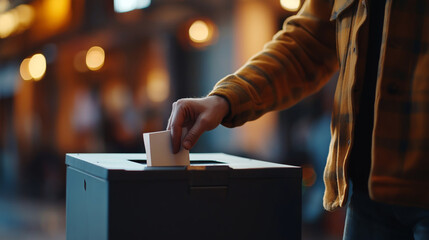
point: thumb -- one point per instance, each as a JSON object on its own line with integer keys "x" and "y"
{"x": 193, "y": 135}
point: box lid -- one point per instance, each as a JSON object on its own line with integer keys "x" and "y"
{"x": 122, "y": 166}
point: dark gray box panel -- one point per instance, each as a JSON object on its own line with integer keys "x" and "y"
{"x": 116, "y": 196}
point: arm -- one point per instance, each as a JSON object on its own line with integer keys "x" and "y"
{"x": 298, "y": 61}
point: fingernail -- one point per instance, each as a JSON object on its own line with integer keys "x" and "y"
{"x": 187, "y": 145}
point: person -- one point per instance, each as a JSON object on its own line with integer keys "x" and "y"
{"x": 378, "y": 161}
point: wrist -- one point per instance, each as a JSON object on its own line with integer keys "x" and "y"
{"x": 222, "y": 104}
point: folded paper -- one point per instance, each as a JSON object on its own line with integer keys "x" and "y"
{"x": 159, "y": 150}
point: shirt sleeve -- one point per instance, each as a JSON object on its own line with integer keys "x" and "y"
{"x": 297, "y": 62}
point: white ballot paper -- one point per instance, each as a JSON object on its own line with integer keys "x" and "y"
{"x": 159, "y": 150}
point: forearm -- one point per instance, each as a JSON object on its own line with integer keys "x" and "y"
{"x": 297, "y": 62}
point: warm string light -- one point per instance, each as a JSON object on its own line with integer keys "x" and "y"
{"x": 26, "y": 16}
{"x": 24, "y": 70}
{"x": 201, "y": 33}
{"x": 33, "y": 68}
{"x": 37, "y": 66}
{"x": 16, "y": 20}
{"x": 95, "y": 58}
{"x": 8, "y": 24}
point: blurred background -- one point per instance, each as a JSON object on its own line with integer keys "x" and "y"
{"x": 93, "y": 75}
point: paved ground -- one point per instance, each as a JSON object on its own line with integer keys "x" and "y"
{"x": 31, "y": 219}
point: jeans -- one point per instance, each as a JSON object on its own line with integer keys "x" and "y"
{"x": 367, "y": 219}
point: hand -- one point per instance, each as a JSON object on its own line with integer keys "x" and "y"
{"x": 197, "y": 115}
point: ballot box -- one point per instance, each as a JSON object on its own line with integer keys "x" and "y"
{"x": 218, "y": 196}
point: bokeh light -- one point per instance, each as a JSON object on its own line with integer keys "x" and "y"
{"x": 16, "y": 20}
{"x": 158, "y": 85}
{"x": 26, "y": 15}
{"x": 200, "y": 32}
{"x": 129, "y": 5}
{"x": 24, "y": 69}
{"x": 95, "y": 58}
{"x": 55, "y": 13}
{"x": 37, "y": 66}
{"x": 290, "y": 5}
{"x": 8, "y": 23}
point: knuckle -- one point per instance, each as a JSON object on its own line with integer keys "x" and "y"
{"x": 180, "y": 102}
{"x": 184, "y": 103}
{"x": 175, "y": 103}
{"x": 204, "y": 121}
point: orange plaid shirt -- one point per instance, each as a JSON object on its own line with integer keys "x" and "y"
{"x": 326, "y": 36}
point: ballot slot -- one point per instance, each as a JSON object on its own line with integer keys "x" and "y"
{"x": 195, "y": 165}
{"x": 193, "y": 162}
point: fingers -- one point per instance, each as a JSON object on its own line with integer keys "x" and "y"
{"x": 198, "y": 116}
{"x": 194, "y": 134}
{"x": 172, "y": 115}
{"x": 176, "y": 135}
{"x": 175, "y": 124}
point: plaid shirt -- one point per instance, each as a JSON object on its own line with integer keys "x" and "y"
{"x": 326, "y": 36}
